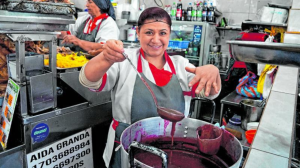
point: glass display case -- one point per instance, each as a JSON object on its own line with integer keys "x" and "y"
{"x": 194, "y": 39}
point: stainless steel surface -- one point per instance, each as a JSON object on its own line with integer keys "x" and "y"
{"x": 38, "y": 7}
{"x": 56, "y": 112}
{"x": 52, "y": 64}
{"x": 66, "y": 124}
{"x": 260, "y": 159}
{"x": 20, "y": 65}
{"x": 13, "y": 158}
{"x": 233, "y": 99}
{"x": 197, "y": 102}
{"x": 149, "y": 149}
{"x": 34, "y": 21}
{"x": 286, "y": 83}
{"x": 268, "y": 53}
{"x": 252, "y": 110}
{"x": 94, "y": 98}
{"x": 265, "y": 23}
{"x": 33, "y": 62}
{"x": 30, "y": 35}
{"x": 156, "y": 127}
{"x": 40, "y": 92}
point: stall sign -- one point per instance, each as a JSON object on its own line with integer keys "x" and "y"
{"x": 8, "y": 109}
{"x": 71, "y": 152}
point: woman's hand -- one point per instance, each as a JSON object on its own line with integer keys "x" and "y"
{"x": 71, "y": 39}
{"x": 97, "y": 51}
{"x": 112, "y": 51}
{"x": 98, "y": 66}
{"x": 208, "y": 77}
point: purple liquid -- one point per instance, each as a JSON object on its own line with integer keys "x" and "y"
{"x": 177, "y": 159}
{"x": 165, "y": 113}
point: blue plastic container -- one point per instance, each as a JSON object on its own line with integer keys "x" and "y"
{"x": 178, "y": 44}
{"x": 1, "y": 101}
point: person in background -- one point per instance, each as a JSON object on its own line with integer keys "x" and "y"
{"x": 171, "y": 78}
{"x": 91, "y": 31}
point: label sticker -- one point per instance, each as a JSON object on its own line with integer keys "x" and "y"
{"x": 40, "y": 132}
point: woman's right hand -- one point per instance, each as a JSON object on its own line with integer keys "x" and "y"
{"x": 112, "y": 51}
{"x": 98, "y": 66}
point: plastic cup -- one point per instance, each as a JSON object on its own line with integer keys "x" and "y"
{"x": 224, "y": 60}
{"x": 131, "y": 35}
{"x": 209, "y": 139}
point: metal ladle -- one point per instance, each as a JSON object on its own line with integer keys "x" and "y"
{"x": 165, "y": 113}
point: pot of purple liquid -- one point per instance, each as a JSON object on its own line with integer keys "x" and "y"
{"x": 147, "y": 143}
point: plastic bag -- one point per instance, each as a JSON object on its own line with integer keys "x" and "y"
{"x": 248, "y": 86}
{"x": 266, "y": 79}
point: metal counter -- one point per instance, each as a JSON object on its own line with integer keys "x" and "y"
{"x": 273, "y": 142}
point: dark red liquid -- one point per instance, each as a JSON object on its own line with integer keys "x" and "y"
{"x": 173, "y": 131}
{"x": 177, "y": 159}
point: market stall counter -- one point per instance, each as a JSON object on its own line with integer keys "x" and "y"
{"x": 52, "y": 108}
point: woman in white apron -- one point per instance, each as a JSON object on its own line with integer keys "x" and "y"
{"x": 171, "y": 78}
{"x": 92, "y": 29}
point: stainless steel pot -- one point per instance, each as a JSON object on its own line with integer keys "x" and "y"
{"x": 252, "y": 110}
{"x": 136, "y": 135}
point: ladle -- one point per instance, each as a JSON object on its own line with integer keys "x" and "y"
{"x": 165, "y": 113}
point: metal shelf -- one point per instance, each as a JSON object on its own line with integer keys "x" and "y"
{"x": 265, "y": 23}
{"x": 260, "y": 26}
{"x": 193, "y": 58}
{"x": 267, "y": 53}
{"x": 228, "y": 28}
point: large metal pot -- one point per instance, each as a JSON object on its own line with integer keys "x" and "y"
{"x": 149, "y": 132}
{"x": 252, "y": 110}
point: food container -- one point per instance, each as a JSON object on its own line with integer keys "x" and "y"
{"x": 252, "y": 110}
{"x": 209, "y": 139}
{"x": 250, "y": 135}
{"x": 131, "y": 35}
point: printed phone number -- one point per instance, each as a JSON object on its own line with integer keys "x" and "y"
{"x": 69, "y": 160}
